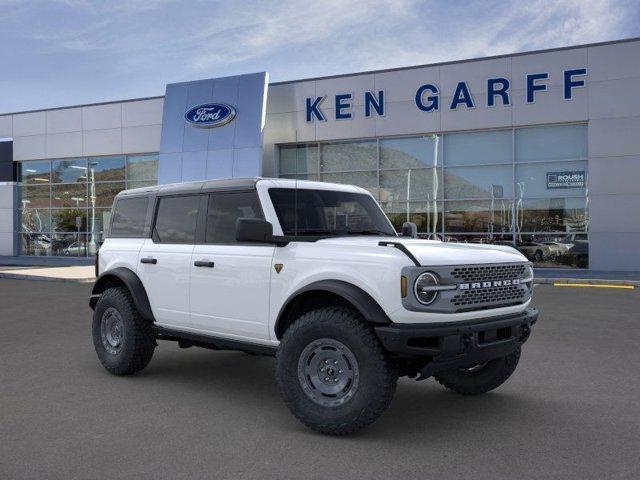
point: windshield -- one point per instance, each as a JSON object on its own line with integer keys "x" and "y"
{"x": 328, "y": 213}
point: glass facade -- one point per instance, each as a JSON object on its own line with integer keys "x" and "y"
{"x": 524, "y": 187}
{"x": 65, "y": 204}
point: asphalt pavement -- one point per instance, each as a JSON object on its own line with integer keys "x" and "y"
{"x": 570, "y": 411}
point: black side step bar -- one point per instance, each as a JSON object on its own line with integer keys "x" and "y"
{"x": 187, "y": 339}
{"x": 402, "y": 248}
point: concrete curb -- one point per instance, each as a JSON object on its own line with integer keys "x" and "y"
{"x": 21, "y": 276}
{"x": 587, "y": 281}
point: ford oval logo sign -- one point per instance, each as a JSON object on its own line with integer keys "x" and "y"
{"x": 210, "y": 115}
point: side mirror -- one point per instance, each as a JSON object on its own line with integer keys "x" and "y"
{"x": 254, "y": 230}
{"x": 409, "y": 229}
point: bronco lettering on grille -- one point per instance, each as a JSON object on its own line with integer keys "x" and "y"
{"x": 489, "y": 284}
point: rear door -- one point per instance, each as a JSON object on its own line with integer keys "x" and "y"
{"x": 164, "y": 263}
{"x": 230, "y": 280}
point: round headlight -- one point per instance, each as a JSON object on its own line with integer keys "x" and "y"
{"x": 528, "y": 276}
{"x": 423, "y": 288}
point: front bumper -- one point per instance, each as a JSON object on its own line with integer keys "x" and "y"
{"x": 446, "y": 346}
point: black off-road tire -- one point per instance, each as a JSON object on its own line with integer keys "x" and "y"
{"x": 137, "y": 337}
{"x": 475, "y": 382}
{"x": 377, "y": 376}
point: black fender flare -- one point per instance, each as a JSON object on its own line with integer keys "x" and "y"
{"x": 133, "y": 284}
{"x": 364, "y": 303}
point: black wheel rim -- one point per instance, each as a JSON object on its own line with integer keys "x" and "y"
{"x": 328, "y": 372}
{"x": 111, "y": 330}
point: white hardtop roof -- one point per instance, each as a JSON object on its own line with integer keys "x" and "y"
{"x": 202, "y": 186}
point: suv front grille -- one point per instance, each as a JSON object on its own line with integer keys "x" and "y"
{"x": 497, "y": 296}
{"x": 482, "y": 273}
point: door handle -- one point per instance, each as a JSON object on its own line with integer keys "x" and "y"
{"x": 149, "y": 260}
{"x": 203, "y": 263}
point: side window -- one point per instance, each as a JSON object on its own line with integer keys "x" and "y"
{"x": 129, "y": 216}
{"x": 176, "y": 219}
{"x": 224, "y": 209}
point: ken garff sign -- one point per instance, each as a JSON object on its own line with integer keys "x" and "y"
{"x": 427, "y": 96}
{"x": 210, "y": 115}
{"x": 568, "y": 179}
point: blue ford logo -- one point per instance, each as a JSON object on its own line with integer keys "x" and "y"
{"x": 210, "y": 115}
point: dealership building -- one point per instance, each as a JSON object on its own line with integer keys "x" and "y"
{"x": 540, "y": 150}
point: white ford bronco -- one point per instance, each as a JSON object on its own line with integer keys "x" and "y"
{"x": 314, "y": 274}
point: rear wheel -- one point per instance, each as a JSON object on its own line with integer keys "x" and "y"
{"x": 123, "y": 340}
{"x": 481, "y": 378}
{"x": 333, "y": 373}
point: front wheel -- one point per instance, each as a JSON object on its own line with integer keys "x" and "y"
{"x": 481, "y": 378}
{"x": 333, "y": 373}
{"x": 123, "y": 340}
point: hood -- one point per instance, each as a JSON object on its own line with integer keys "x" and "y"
{"x": 435, "y": 252}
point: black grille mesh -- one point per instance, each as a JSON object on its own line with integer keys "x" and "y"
{"x": 491, "y": 295}
{"x": 485, "y": 273}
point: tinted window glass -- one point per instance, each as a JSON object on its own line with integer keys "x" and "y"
{"x": 176, "y": 219}
{"x": 224, "y": 210}
{"x": 327, "y": 212}
{"x": 129, "y": 216}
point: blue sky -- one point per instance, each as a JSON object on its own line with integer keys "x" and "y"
{"x": 67, "y": 52}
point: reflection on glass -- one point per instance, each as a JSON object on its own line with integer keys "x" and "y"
{"x": 558, "y": 142}
{"x": 413, "y": 152}
{"x": 66, "y": 220}
{"x": 105, "y": 193}
{"x": 415, "y": 184}
{"x": 368, "y": 180}
{"x": 69, "y": 245}
{"x": 479, "y": 182}
{"x": 301, "y": 176}
{"x": 106, "y": 169}
{"x": 69, "y": 195}
{"x": 298, "y": 159}
{"x": 340, "y": 157}
{"x": 94, "y": 241}
{"x": 38, "y": 244}
{"x": 142, "y": 167}
{"x": 478, "y": 216}
{"x": 98, "y": 219}
{"x": 535, "y": 179}
{"x": 55, "y": 194}
{"x": 478, "y": 148}
{"x": 503, "y": 239}
{"x": 35, "y": 220}
{"x": 552, "y": 215}
{"x": 69, "y": 171}
{"x": 426, "y": 215}
{"x": 132, "y": 185}
{"x": 35, "y": 171}
{"x": 555, "y": 249}
{"x": 34, "y": 196}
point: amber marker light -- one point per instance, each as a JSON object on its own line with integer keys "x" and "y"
{"x": 403, "y": 286}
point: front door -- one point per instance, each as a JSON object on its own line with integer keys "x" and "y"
{"x": 229, "y": 280}
{"x": 164, "y": 263}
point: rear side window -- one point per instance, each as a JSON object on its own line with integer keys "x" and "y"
{"x": 129, "y": 217}
{"x": 224, "y": 209}
{"x": 176, "y": 219}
